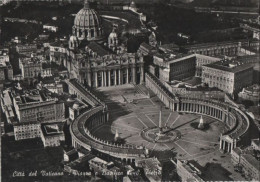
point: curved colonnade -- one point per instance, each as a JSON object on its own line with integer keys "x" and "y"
{"x": 236, "y": 121}
{"x": 81, "y": 127}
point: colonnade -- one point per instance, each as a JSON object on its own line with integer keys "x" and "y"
{"x": 231, "y": 117}
{"x": 227, "y": 144}
{"x": 113, "y": 77}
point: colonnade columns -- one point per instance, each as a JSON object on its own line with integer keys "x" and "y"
{"x": 220, "y": 145}
{"x": 223, "y": 143}
{"x": 109, "y": 78}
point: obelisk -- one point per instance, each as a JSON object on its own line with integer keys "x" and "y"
{"x": 116, "y": 135}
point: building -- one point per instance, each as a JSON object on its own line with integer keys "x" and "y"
{"x": 105, "y": 169}
{"x": 51, "y": 28}
{"x": 53, "y": 87}
{"x": 52, "y": 134}
{"x": 76, "y": 109}
{"x": 203, "y": 60}
{"x": 146, "y": 49}
{"x": 248, "y": 160}
{"x": 27, "y": 130}
{"x": 97, "y": 63}
{"x": 30, "y": 67}
{"x": 250, "y": 166}
{"x": 235, "y": 155}
{"x": 152, "y": 168}
{"x": 227, "y": 48}
{"x": 175, "y": 67}
{"x": 250, "y": 93}
{"x": 70, "y": 155}
{"x": 26, "y": 49}
{"x": 37, "y": 105}
{"x": 229, "y": 76}
{"x": 187, "y": 171}
{"x": 6, "y": 69}
{"x": 255, "y": 144}
{"x": 7, "y": 106}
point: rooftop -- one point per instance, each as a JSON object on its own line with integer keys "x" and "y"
{"x": 256, "y": 141}
{"x": 98, "y": 49}
{"x": 252, "y": 160}
{"x": 172, "y": 58}
{"x": 52, "y": 129}
{"x": 229, "y": 66}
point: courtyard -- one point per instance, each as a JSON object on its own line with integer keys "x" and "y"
{"x": 137, "y": 117}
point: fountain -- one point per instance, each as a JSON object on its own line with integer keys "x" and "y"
{"x": 201, "y": 124}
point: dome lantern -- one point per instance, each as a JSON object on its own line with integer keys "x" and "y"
{"x": 86, "y": 4}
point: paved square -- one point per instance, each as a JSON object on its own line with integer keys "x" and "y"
{"x": 137, "y": 123}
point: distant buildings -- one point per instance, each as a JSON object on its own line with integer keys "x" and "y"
{"x": 6, "y": 69}
{"x": 229, "y": 76}
{"x": 250, "y": 93}
{"x": 187, "y": 171}
{"x": 105, "y": 169}
{"x": 247, "y": 160}
{"x": 26, "y": 49}
{"x": 152, "y": 168}
{"x": 51, "y": 28}
{"x": 228, "y": 48}
{"x": 7, "y": 106}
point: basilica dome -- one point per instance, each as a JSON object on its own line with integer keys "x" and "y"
{"x": 87, "y": 24}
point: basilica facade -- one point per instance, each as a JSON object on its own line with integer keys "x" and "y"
{"x": 93, "y": 59}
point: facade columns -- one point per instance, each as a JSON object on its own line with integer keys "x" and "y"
{"x": 119, "y": 77}
{"x": 141, "y": 74}
{"x": 115, "y": 81}
{"x": 127, "y": 75}
{"x": 89, "y": 78}
{"x": 96, "y": 79}
{"x": 102, "y": 76}
{"x": 134, "y": 74}
{"x": 109, "y": 78}
{"x": 105, "y": 77}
